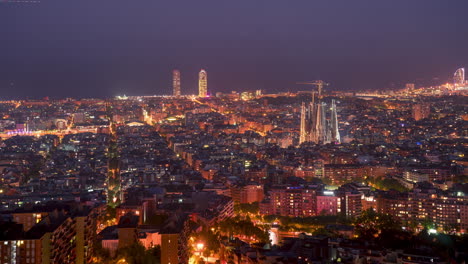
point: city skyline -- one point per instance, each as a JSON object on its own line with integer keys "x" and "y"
{"x": 457, "y": 80}
{"x": 176, "y": 86}
{"x": 196, "y": 175}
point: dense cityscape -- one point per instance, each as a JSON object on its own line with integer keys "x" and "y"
{"x": 316, "y": 176}
{"x": 233, "y": 132}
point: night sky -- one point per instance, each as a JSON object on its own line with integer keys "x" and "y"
{"x": 103, "y": 48}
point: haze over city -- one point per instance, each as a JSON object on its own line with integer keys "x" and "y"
{"x": 107, "y": 48}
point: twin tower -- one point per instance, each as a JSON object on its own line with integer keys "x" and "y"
{"x": 202, "y": 83}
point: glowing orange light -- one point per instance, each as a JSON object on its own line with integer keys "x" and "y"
{"x": 200, "y": 246}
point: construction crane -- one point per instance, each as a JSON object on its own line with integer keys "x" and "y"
{"x": 319, "y": 83}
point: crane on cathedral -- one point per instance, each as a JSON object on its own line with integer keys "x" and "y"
{"x": 315, "y": 127}
{"x": 318, "y": 83}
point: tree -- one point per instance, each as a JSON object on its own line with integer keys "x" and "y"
{"x": 270, "y": 218}
{"x": 137, "y": 254}
{"x": 387, "y": 184}
{"x": 325, "y": 232}
{"x": 237, "y": 226}
{"x": 245, "y": 208}
{"x": 371, "y": 224}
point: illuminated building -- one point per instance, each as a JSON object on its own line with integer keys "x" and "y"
{"x": 290, "y": 201}
{"x": 459, "y": 77}
{"x": 202, "y": 83}
{"x": 247, "y": 96}
{"x": 335, "y": 133}
{"x": 328, "y": 203}
{"x": 55, "y": 238}
{"x": 247, "y": 194}
{"x": 28, "y": 219}
{"x": 410, "y": 86}
{"x": 174, "y": 240}
{"x": 176, "y": 82}
{"x": 350, "y": 202}
{"x": 393, "y": 203}
{"x": 421, "y": 111}
{"x": 414, "y": 176}
{"x": 85, "y": 226}
{"x": 12, "y": 243}
{"x": 342, "y": 173}
{"x": 126, "y": 230}
{"x": 314, "y": 125}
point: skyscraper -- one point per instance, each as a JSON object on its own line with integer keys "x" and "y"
{"x": 409, "y": 86}
{"x": 459, "y": 76}
{"x": 202, "y": 83}
{"x": 176, "y": 83}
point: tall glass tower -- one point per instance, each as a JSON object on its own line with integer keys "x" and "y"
{"x": 459, "y": 77}
{"x": 202, "y": 83}
{"x": 176, "y": 83}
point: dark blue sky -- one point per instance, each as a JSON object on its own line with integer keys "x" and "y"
{"x": 86, "y": 48}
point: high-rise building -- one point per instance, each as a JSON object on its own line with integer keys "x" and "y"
{"x": 290, "y": 201}
{"x": 202, "y": 83}
{"x": 247, "y": 194}
{"x": 176, "y": 83}
{"x": 459, "y": 76}
{"x": 174, "y": 239}
{"x": 351, "y": 205}
{"x": 342, "y": 173}
{"x": 409, "y": 86}
{"x": 37, "y": 235}
{"x": 335, "y": 133}
{"x": 328, "y": 203}
{"x": 314, "y": 124}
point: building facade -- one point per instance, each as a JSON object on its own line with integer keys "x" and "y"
{"x": 290, "y": 201}
{"x": 202, "y": 83}
{"x": 176, "y": 83}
